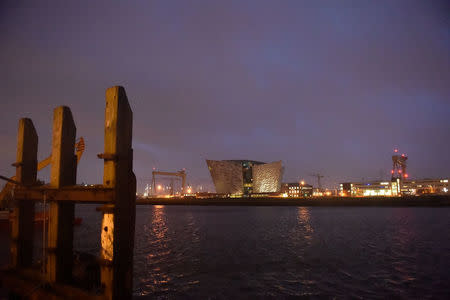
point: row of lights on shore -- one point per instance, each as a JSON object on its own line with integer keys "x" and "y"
{"x": 160, "y": 188}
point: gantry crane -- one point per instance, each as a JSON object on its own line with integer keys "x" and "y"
{"x": 181, "y": 174}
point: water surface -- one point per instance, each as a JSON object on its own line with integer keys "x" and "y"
{"x": 277, "y": 252}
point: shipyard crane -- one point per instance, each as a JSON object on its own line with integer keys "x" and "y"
{"x": 79, "y": 149}
{"x": 399, "y": 166}
{"x": 181, "y": 174}
{"x": 318, "y": 176}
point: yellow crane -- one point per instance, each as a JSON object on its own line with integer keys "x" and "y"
{"x": 79, "y": 149}
{"x": 181, "y": 174}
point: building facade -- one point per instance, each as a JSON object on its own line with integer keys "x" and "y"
{"x": 296, "y": 189}
{"x": 227, "y": 176}
{"x": 267, "y": 177}
{"x": 245, "y": 177}
{"x": 395, "y": 187}
{"x": 425, "y": 186}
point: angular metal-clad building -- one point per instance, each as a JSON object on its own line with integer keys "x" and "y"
{"x": 267, "y": 177}
{"x": 245, "y": 176}
{"x": 227, "y": 176}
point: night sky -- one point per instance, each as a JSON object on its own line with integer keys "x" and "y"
{"x": 325, "y": 86}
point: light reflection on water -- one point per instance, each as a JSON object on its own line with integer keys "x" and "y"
{"x": 158, "y": 241}
{"x": 158, "y": 226}
{"x": 305, "y": 223}
{"x": 404, "y": 245}
{"x": 292, "y": 251}
{"x": 277, "y": 252}
{"x": 167, "y": 241}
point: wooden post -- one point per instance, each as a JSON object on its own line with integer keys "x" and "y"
{"x": 61, "y": 215}
{"x": 117, "y": 237}
{"x": 23, "y": 216}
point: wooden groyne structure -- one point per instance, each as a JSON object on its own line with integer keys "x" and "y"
{"x": 117, "y": 195}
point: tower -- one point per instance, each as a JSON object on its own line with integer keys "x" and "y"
{"x": 399, "y": 166}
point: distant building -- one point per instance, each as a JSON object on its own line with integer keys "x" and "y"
{"x": 245, "y": 176}
{"x": 345, "y": 189}
{"x": 425, "y": 186}
{"x": 296, "y": 189}
{"x": 372, "y": 188}
{"x": 394, "y": 188}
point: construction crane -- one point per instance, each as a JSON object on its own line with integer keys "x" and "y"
{"x": 79, "y": 149}
{"x": 399, "y": 166}
{"x": 181, "y": 174}
{"x": 318, "y": 176}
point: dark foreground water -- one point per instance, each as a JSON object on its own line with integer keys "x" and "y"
{"x": 277, "y": 252}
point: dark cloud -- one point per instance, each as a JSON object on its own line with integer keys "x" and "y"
{"x": 324, "y": 86}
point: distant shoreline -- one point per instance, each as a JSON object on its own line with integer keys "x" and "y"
{"x": 409, "y": 201}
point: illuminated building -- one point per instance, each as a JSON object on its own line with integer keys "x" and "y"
{"x": 236, "y": 177}
{"x": 345, "y": 189}
{"x": 395, "y": 187}
{"x": 425, "y": 186}
{"x": 296, "y": 189}
{"x": 267, "y": 177}
{"x": 372, "y": 188}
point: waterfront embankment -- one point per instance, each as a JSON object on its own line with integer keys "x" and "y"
{"x": 424, "y": 201}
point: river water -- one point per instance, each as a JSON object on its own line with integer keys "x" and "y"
{"x": 278, "y": 252}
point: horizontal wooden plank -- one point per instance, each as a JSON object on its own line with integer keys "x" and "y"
{"x": 77, "y": 193}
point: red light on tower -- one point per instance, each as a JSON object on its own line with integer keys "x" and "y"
{"x": 403, "y": 155}
{"x": 395, "y": 150}
{"x": 399, "y": 171}
{"x": 406, "y": 175}
{"x": 392, "y": 171}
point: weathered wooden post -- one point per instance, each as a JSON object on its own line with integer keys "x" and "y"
{"x": 117, "y": 236}
{"x": 118, "y": 194}
{"x": 61, "y": 214}
{"x": 23, "y": 216}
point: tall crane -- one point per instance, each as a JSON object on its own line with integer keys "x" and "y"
{"x": 318, "y": 176}
{"x": 181, "y": 174}
{"x": 399, "y": 166}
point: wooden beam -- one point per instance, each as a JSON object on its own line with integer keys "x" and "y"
{"x": 117, "y": 235}
{"x": 61, "y": 214}
{"x": 42, "y": 164}
{"x": 75, "y": 194}
{"x": 23, "y": 213}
